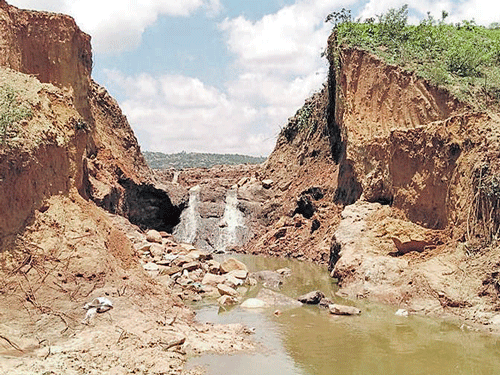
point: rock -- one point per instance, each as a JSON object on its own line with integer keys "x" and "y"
{"x": 226, "y": 290}
{"x": 239, "y": 274}
{"x": 343, "y": 310}
{"x": 232, "y": 264}
{"x": 191, "y": 266}
{"x": 325, "y": 303}
{"x": 151, "y": 267}
{"x": 267, "y": 184}
{"x": 213, "y": 280}
{"x": 232, "y": 281}
{"x": 277, "y": 299}
{"x": 312, "y": 298}
{"x": 199, "y": 255}
{"x": 164, "y": 234}
{"x": 167, "y": 259}
{"x": 404, "y": 247}
{"x": 182, "y": 260}
{"x": 154, "y": 236}
{"x": 401, "y": 312}
{"x": 269, "y": 279}
{"x": 253, "y": 303}
{"x": 187, "y": 246}
{"x": 156, "y": 250}
{"x": 213, "y": 266}
{"x": 226, "y": 300}
{"x": 243, "y": 181}
{"x": 171, "y": 270}
{"x": 142, "y": 246}
{"x": 285, "y": 272}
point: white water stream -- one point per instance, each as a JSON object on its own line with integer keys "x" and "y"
{"x": 233, "y": 222}
{"x": 190, "y": 218}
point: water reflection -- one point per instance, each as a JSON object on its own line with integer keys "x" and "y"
{"x": 308, "y": 340}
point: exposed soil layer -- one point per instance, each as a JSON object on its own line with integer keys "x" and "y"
{"x": 72, "y": 156}
{"x": 408, "y": 210}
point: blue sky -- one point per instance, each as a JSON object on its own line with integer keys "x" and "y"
{"x": 220, "y": 76}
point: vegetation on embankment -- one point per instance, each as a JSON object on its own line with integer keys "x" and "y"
{"x": 181, "y": 160}
{"x": 464, "y": 58}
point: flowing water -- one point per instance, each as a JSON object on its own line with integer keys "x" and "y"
{"x": 308, "y": 340}
{"x": 234, "y": 222}
{"x": 190, "y": 218}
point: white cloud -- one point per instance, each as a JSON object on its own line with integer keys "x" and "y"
{"x": 118, "y": 25}
{"x": 483, "y": 12}
{"x": 172, "y": 113}
{"x": 289, "y": 41}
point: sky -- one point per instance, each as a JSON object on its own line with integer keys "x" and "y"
{"x": 221, "y": 76}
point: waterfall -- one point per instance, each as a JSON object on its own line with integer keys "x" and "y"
{"x": 190, "y": 218}
{"x": 233, "y": 226}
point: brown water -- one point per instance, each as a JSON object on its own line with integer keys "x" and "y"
{"x": 308, "y": 340}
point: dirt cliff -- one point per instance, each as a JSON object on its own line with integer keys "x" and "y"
{"x": 392, "y": 181}
{"x": 67, "y": 152}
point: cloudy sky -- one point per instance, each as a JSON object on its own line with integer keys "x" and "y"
{"x": 220, "y": 76}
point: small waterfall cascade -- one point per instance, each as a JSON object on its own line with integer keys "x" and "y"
{"x": 187, "y": 229}
{"x": 232, "y": 226}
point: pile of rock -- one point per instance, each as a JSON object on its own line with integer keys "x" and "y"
{"x": 192, "y": 273}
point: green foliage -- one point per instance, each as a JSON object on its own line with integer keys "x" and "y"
{"x": 11, "y": 112}
{"x": 464, "y": 57}
{"x": 158, "y": 160}
{"x": 303, "y": 117}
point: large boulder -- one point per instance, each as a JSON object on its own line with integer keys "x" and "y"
{"x": 312, "y": 298}
{"x": 272, "y": 298}
{"x": 269, "y": 279}
{"x": 232, "y": 264}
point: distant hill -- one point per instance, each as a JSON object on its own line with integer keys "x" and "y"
{"x": 159, "y": 160}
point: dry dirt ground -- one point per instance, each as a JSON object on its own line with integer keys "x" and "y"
{"x": 55, "y": 270}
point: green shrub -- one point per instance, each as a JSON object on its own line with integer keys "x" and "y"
{"x": 465, "y": 57}
{"x": 11, "y": 111}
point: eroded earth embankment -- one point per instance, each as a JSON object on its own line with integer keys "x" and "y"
{"x": 408, "y": 205}
{"x": 69, "y": 162}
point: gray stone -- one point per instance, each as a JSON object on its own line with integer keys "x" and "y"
{"x": 343, "y": 310}
{"x": 269, "y": 279}
{"x": 312, "y": 298}
{"x": 277, "y": 299}
{"x": 325, "y": 303}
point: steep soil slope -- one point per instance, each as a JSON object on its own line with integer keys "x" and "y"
{"x": 65, "y": 146}
{"x": 408, "y": 177}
